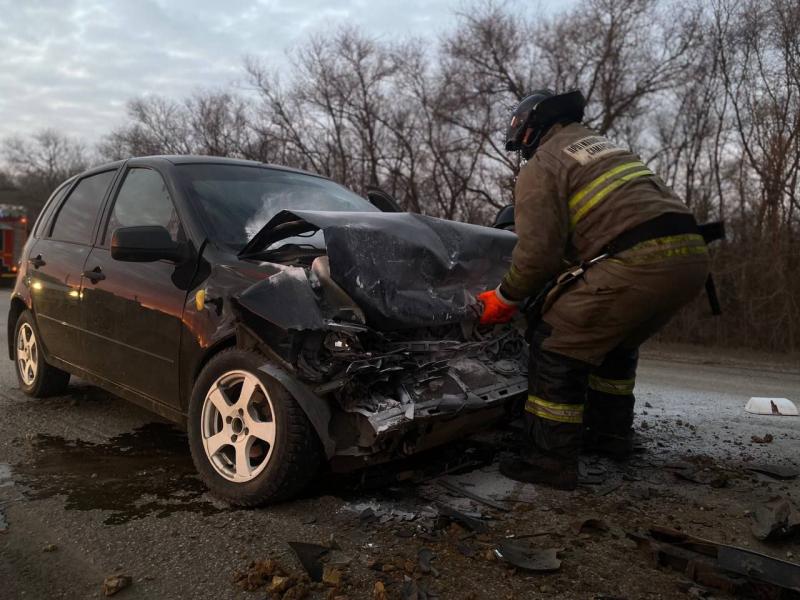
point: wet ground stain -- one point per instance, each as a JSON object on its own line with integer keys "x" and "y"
{"x": 145, "y": 472}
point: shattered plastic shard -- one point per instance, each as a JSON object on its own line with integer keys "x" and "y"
{"x": 522, "y": 556}
{"x": 772, "y": 406}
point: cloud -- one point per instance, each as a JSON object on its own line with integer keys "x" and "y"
{"x": 73, "y": 64}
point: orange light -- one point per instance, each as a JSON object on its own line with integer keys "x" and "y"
{"x": 23, "y": 220}
{"x": 14, "y": 268}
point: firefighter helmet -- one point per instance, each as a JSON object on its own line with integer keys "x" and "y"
{"x": 539, "y": 112}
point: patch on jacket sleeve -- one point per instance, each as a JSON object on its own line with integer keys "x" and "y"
{"x": 590, "y": 148}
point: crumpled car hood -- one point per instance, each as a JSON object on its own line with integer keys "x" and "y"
{"x": 402, "y": 269}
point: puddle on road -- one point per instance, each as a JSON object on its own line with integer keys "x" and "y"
{"x": 144, "y": 472}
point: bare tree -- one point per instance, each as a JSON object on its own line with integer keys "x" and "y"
{"x": 620, "y": 53}
{"x": 37, "y": 164}
{"x": 708, "y": 94}
{"x": 209, "y": 122}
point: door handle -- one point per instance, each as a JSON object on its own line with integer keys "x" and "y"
{"x": 94, "y": 275}
{"x": 37, "y": 261}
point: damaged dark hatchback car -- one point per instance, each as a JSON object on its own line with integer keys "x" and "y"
{"x": 289, "y": 324}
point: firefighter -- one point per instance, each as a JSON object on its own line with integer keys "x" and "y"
{"x": 637, "y": 257}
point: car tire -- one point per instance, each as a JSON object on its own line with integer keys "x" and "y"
{"x": 36, "y": 377}
{"x": 273, "y": 462}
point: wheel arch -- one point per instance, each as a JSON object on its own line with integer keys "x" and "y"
{"x": 228, "y": 341}
{"x": 16, "y": 308}
{"x": 315, "y": 408}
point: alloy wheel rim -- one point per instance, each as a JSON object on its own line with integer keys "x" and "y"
{"x": 238, "y": 426}
{"x": 27, "y": 354}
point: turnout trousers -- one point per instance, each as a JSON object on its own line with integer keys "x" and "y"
{"x": 584, "y": 349}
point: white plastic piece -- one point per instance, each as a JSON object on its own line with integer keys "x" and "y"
{"x": 782, "y": 407}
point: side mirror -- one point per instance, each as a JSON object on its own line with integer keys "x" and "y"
{"x": 145, "y": 243}
{"x": 505, "y": 218}
{"x": 382, "y": 200}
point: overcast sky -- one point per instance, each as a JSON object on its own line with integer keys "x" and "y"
{"x": 73, "y": 64}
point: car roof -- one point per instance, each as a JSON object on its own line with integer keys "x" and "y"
{"x": 189, "y": 159}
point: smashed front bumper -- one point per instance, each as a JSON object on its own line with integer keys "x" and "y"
{"x": 399, "y": 396}
{"x": 406, "y": 430}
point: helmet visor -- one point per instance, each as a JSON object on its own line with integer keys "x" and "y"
{"x": 516, "y": 131}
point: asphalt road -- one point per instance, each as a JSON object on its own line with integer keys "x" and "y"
{"x": 91, "y": 485}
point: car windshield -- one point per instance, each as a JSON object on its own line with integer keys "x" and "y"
{"x": 237, "y": 201}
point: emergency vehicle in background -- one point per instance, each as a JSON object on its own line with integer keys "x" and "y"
{"x": 14, "y": 232}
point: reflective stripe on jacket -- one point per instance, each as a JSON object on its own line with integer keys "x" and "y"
{"x": 578, "y": 192}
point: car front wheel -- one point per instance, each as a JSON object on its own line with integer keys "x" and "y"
{"x": 250, "y": 441}
{"x": 36, "y": 377}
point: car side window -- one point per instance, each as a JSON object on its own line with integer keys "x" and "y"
{"x": 47, "y": 210}
{"x": 75, "y": 219}
{"x": 144, "y": 199}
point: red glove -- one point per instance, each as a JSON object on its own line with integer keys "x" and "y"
{"x": 496, "y": 308}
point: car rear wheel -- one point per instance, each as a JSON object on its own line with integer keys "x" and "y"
{"x": 36, "y": 377}
{"x": 250, "y": 441}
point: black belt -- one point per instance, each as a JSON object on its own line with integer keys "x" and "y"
{"x": 671, "y": 224}
{"x": 661, "y": 226}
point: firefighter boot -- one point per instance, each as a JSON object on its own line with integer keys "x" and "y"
{"x": 555, "y": 469}
{"x": 553, "y": 417}
{"x": 609, "y": 405}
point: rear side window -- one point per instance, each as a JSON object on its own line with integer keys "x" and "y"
{"x": 44, "y": 215}
{"x": 75, "y": 220}
{"x": 143, "y": 199}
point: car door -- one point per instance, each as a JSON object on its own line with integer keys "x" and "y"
{"x": 132, "y": 310}
{"x": 56, "y": 265}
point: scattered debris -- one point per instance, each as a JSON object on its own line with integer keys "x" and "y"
{"x": 766, "y": 439}
{"x": 115, "y": 583}
{"x": 522, "y": 556}
{"x": 452, "y": 487}
{"x": 737, "y": 571}
{"x": 771, "y": 406}
{"x": 257, "y": 574}
{"x": 49, "y": 548}
{"x": 373, "y": 511}
{"x": 471, "y": 523}
{"x": 776, "y": 519}
{"x": 775, "y": 471}
{"x": 270, "y": 576}
{"x": 424, "y": 558}
{"x": 310, "y": 556}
